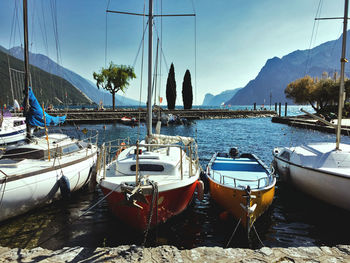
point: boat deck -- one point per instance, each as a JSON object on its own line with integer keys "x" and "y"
{"x": 239, "y": 173}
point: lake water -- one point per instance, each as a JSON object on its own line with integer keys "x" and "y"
{"x": 293, "y": 219}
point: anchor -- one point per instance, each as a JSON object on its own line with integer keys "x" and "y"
{"x": 131, "y": 197}
{"x": 248, "y": 196}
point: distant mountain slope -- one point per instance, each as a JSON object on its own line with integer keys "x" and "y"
{"x": 211, "y": 100}
{"x": 48, "y": 88}
{"x": 45, "y": 63}
{"x": 277, "y": 73}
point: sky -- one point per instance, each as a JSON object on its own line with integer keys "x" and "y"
{"x": 224, "y": 46}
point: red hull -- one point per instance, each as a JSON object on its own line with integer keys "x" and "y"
{"x": 170, "y": 203}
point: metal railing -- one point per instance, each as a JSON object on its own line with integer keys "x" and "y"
{"x": 235, "y": 180}
{"x": 111, "y": 149}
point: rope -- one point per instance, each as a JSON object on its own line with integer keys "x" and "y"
{"x": 3, "y": 185}
{"x": 154, "y": 194}
{"x": 234, "y": 232}
{"x": 76, "y": 219}
{"x": 258, "y": 236}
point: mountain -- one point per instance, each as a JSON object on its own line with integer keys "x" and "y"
{"x": 211, "y": 100}
{"x": 277, "y": 73}
{"x": 86, "y": 86}
{"x": 48, "y": 88}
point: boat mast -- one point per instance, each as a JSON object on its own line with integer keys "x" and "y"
{"x": 149, "y": 98}
{"x": 26, "y": 65}
{"x": 342, "y": 72}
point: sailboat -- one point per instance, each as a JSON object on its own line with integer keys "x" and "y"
{"x": 155, "y": 179}
{"x": 12, "y": 128}
{"x": 321, "y": 170}
{"x": 42, "y": 169}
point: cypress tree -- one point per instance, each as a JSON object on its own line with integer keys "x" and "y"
{"x": 171, "y": 88}
{"x": 187, "y": 95}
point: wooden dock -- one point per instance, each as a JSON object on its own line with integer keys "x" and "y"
{"x": 108, "y": 116}
{"x": 305, "y": 122}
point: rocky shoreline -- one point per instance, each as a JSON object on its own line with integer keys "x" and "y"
{"x": 339, "y": 253}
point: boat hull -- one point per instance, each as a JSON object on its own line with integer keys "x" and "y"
{"x": 231, "y": 199}
{"x": 328, "y": 187}
{"x": 31, "y": 191}
{"x": 12, "y": 137}
{"x": 170, "y": 203}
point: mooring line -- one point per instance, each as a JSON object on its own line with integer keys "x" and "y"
{"x": 258, "y": 236}
{"x": 76, "y": 219}
{"x": 233, "y": 233}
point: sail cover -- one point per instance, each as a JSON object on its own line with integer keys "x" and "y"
{"x": 35, "y": 115}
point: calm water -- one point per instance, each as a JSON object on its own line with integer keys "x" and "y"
{"x": 293, "y": 219}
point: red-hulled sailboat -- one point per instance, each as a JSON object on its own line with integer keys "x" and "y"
{"x": 154, "y": 180}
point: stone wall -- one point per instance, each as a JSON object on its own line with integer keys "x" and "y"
{"x": 340, "y": 253}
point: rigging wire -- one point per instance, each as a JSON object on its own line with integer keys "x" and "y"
{"x": 15, "y": 75}
{"x": 313, "y": 35}
{"x": 161, "y": 41}
{"x": 106, "y": 36}
{"x": 141, "y": 78}
{"x": 195, "y": 52}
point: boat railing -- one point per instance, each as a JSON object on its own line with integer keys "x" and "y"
{"x": 112, "y": 149}
{"x": 235, "y": 180}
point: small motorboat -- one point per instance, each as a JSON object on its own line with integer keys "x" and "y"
{"x": 128, "y": 120}
{"x": 241, "y": 184}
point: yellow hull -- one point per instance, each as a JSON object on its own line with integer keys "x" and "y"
{"x": 231, "y": 199}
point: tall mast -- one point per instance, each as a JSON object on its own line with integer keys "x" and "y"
{"x": 26, "y": 64}
{"x": 149, "y": 98}
{"x": 342, "y": 72}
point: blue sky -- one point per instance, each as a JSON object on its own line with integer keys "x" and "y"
{"x": 234, "y": 38}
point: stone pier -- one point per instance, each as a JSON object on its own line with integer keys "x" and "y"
{"x": 340, "y": 253}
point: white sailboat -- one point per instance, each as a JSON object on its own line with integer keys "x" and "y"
{"x": 12, "y": 129}
{"x": 42, "y": 169}
{"x": 321, "y": 170}
{"x": 154, "y": 180}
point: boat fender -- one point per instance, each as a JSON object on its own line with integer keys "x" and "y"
{"x": 64, "y": 187}
{"x": 200, "y": 190}
{"x": 208, "y": 170}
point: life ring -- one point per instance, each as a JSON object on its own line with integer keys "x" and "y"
{"x": 200, "y": 190}
{"x": 122, "y": 148}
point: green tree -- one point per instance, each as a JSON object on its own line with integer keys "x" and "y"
{"x": 318, "y": 93}
{"x": 301, "y": 90}
{"x": 171, "y": 88}
{"x": 187, "y": 94}
{"x": 114, "y": 78}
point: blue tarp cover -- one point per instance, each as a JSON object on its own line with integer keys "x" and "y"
{"x": 35, "y": 115}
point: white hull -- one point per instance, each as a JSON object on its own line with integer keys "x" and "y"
{"x": 33, "y": 183}
{"x": 330, "y": 185}
{"x": 13, "y": 129}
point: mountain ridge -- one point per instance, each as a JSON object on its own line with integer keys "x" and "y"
{"x": 47, "y": 64}
{"x": 48, "y": 88}
{"x": 277, "y": 73}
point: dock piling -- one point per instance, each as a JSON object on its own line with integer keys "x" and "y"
{"x": 279, "y": 109}
{"x": 285, "y": 109}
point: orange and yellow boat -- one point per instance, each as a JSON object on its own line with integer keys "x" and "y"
{"x": 241, "y": 184}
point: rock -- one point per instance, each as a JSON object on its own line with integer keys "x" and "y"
{"x": 133, "y": 253}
